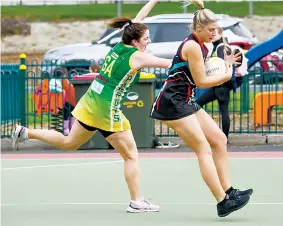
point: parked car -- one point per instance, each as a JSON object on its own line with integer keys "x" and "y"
{"x": 268, "y": 70}
{"x": 167, "y": 31}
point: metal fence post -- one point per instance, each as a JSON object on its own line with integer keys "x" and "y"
{"x": 251, "y": 8}
{"x": 244, "y": 96}
{"x": 185, "y": 7}
{"x": 23, "y": 58}
{"x": 23, "y": 71}
{"x": 119, "y": 8}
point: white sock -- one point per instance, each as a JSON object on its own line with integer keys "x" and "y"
{"x": 26, "y": 133}
{"x": 135, "y": 201}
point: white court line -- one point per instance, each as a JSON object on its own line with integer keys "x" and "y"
{"x": 121, "y": 203}
{"x": 61, "y": 165}
{"x": 141, "y": 158}
{"x": 106, "y": 162}
{"x": 229, "y": 158}
{"x": 59, "y": 159}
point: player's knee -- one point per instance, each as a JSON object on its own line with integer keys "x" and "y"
{"x": 131, "y": 157}
{"x": 70, "y": 145}
{"x": 202, "y": 147}
{"x": 204, "y": 151}
{"x": 220, "y": 141}
{"x": 130, "y": 153}
{"x": 126, "y": 146}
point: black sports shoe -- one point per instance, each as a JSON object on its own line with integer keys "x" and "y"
{"x": 232, "y": 204}
{"x": 236, "y": 192}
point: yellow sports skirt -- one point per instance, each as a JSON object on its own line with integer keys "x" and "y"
{"x": 96, "y": 112}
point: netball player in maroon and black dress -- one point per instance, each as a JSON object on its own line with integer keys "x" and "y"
{"x": 176, "y": 107}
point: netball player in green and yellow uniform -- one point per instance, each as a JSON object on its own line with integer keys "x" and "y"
{"x": 104, "y": 97}
{"x": 100, "y": 107}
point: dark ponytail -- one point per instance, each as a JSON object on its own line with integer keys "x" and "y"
{"x": 132, "y": 31}
{"x": 118, "y": 22}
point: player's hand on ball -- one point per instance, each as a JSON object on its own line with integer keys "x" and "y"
{"x": 233, "y": 58}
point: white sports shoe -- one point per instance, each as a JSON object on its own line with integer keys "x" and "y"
{"x": 142, "y": 205}
{"x": 19, "y": 134}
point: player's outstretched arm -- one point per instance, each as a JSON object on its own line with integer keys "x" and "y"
{"x": 144, "y": 11}
{"x": 142, "y": 59}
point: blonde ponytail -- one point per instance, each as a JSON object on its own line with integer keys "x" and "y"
{"x": 197, "y": 3}
{"x": 203, "y": 16}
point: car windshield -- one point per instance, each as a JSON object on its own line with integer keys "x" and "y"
{"x": 168, "y": 32}
{"x": 162, "y": 32}
{"x": 240, "y": 30}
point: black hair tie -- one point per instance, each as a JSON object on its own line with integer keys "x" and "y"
{"x": 130, "y": 22}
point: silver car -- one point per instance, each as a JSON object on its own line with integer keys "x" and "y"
{"x": 167, "y": 31}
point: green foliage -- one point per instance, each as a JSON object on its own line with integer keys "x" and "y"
{"x": 106, "y": 11}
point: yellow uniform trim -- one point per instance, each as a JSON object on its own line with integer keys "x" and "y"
{"x": 130, "y": 62}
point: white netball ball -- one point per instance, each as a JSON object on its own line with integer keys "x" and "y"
{"x": 215, "y": 66}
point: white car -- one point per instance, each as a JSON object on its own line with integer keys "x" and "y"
{"x": 167, "y": 31}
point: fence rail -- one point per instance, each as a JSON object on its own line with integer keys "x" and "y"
{"x": 256, "y": 107}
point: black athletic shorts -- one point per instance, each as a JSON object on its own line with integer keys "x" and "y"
{"x": 90, "y": 128}
{"x": 175, "y": 101}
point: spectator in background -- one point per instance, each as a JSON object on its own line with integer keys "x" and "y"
{"x": 61, "y": 83}
{"x": 221, "y": 93}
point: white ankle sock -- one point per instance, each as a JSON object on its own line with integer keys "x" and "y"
{"x": 135, "y": 201}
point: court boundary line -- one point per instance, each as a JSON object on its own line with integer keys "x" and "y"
{"x": 60, "y": 165}
{"x": 143, "y": 158}
{"x": 142, "y": 155}
{"x": 125, "y": 203}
